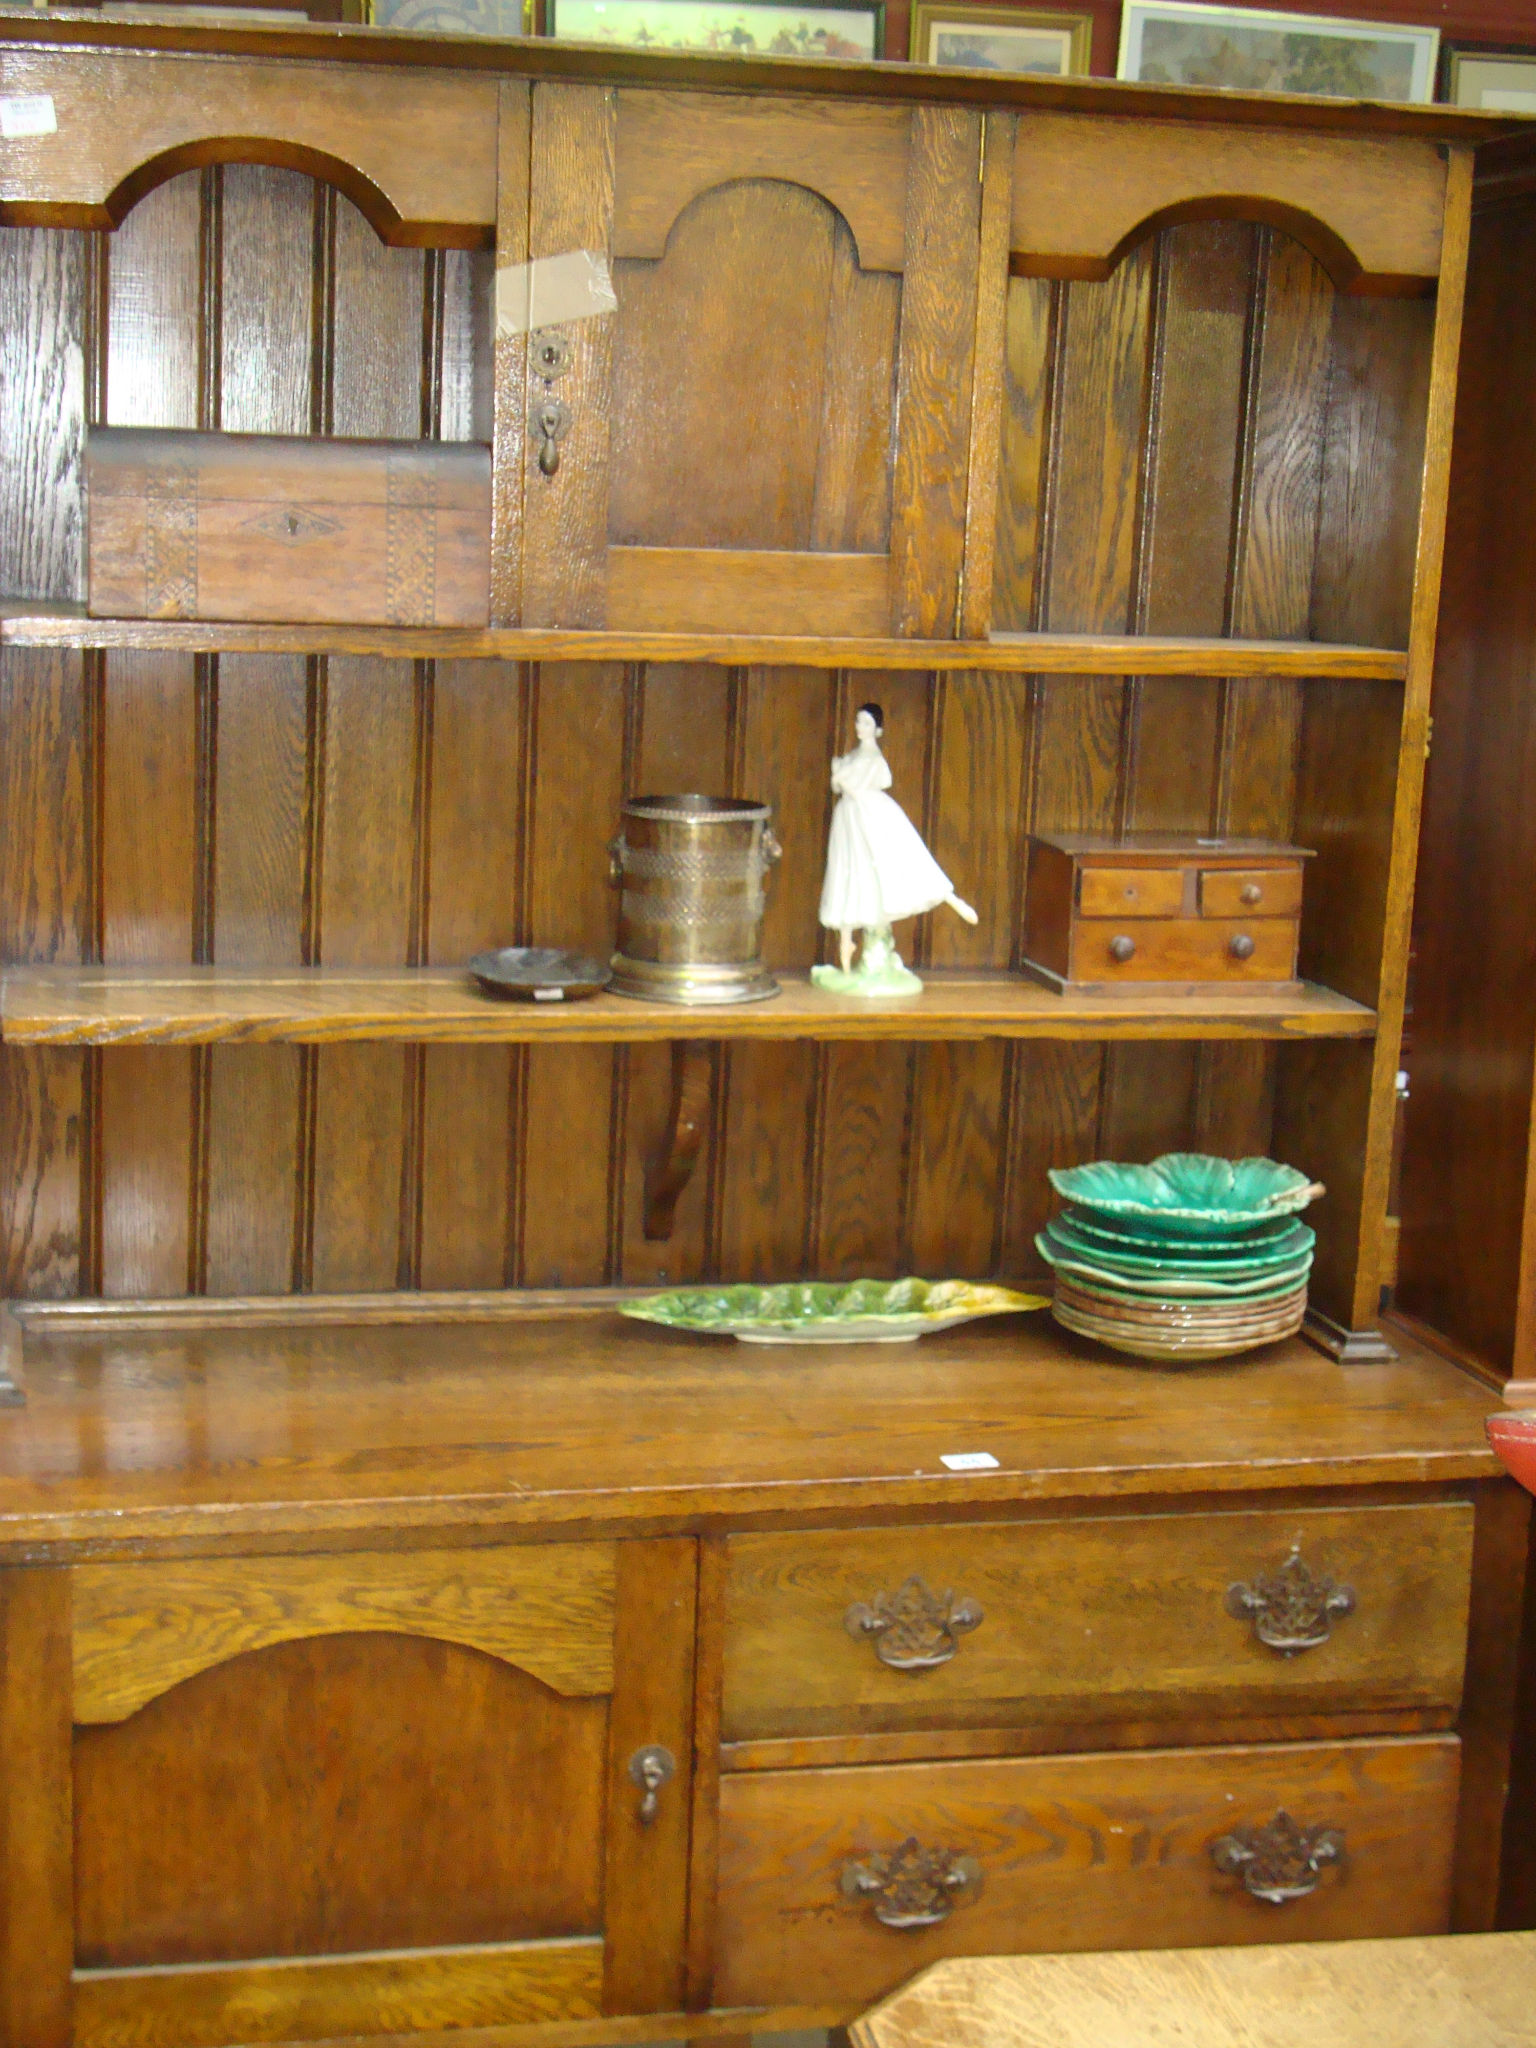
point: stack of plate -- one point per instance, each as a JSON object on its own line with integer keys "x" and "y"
{"x": 1189, "y": 1258}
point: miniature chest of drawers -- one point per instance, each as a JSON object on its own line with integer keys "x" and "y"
{"x": 1106, "y": 913}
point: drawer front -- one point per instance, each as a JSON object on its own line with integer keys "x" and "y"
{"x": 1184, "y": 949}
{"x": 1250, "y": 892}
{"x": 1087, "y": 1852}
{"x": 1130, "y": 892}
{"x": 1091, "y": 1619}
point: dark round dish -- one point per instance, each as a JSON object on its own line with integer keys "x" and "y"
{"x": 540, "y": 974}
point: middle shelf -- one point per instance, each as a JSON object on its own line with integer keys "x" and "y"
{"x": 318, "y": 1005}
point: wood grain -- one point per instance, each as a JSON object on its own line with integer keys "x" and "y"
{"x": 1327, "y": 1995}
{"x": 514, "y": 112}
{"x": 565, "y": 516}
{"x": 673, "y": 146}
{"x": 28, "y": 624}
{"x": 201, "y": 1006}
{"x": 1082, "y": 1852}
{"x": 699, "y": 590}
{"x": 555, "y": 1422}
{"x": 36, "y": 1864}
{"x": 934, "y": 367}
{"x": 1078, "y": 204}
{"x": 339, "y": 1795}
{"x": 365, "y": 134}
{"x": 1147, "y": 1621}
{"x": 508, "y": 1984}
{"x": 140, "y": 1629}
{"x": 645, "y": 1888}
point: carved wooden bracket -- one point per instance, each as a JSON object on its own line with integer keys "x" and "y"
{"x": 671, "y": 1168}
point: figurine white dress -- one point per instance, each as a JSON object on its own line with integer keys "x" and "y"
{"x": 878, "y": 870}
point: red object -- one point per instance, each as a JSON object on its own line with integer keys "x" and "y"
{"x": 1514, "y": 1441}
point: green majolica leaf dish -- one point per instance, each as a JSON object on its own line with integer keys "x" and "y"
{"x": 1176, "y": 1286}
{"x": 1188, "y": 1194}
{"x": 1175, "y": 1259}
{"x": 1259, "y": 1240}
{"x": 829, "y": 1311}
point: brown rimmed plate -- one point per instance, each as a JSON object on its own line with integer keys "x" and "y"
{"x": 540, "y": 974}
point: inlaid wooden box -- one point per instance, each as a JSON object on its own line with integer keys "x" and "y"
{"x": 272, "y": 526}
{"x": 1120, "y": 913}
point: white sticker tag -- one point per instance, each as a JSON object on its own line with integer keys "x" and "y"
{"x": 549, "y": 995}
{"x": 553, "y": 290}
{"x": 969, "y": 1461}
{"x": 28, "y": 113}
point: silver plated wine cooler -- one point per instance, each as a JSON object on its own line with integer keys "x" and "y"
{"x": 692, "y": 870}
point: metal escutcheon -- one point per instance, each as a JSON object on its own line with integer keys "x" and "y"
{"x": 650, "y": 1768}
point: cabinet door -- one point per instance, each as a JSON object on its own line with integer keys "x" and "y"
{"x": 336, "y": 1795}
{"x": 772, "y": 432}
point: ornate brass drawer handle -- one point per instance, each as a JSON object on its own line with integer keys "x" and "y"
{"x": 1279, "y": 1861}
{"x": 913, "y": 1629}
{"x": 912, "y": 1886}
{"x": 1291, "y": 1609}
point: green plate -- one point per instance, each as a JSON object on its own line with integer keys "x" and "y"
{"x": 830, "y": 1311}
{"x": 1118, "y": 1234}
{"x": 1189, "y": 1194}
{"x": 1067, "y": 1238}
{"x": 1173, "y": 1286}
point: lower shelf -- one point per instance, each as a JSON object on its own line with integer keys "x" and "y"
{"x": 314, "y": 1006}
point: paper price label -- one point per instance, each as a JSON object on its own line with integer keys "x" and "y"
{"x": 27, "y": 113}
{"x": 968, "y": 1461}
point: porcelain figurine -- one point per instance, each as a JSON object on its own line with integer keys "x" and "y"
{"x": 878, "y": 871}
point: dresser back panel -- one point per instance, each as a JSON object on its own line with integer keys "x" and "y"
{"x": 276, "y": 811}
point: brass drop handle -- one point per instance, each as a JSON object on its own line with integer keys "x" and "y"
{"x": 1121, "y": 948}
{"x": 616, "y": 852}
{"x": 1252, "y": 893}
{"x": 650, "y": 1768}
{"x": 913, "y": 1629}
{"x": 912, "y": 1886}
{"x": 551, "y": 422}
{"x": 1291, "y": 1608}
{"x": 1279, "y": 1861}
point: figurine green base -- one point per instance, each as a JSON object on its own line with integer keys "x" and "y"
{"x": 879, "y": 972}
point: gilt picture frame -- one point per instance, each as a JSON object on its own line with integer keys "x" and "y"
{"x": 1251, "y": 49}
{"x": 851, "y": 30}
{"x": 1028, "y": 40}
{"x": 1494, "y": 81}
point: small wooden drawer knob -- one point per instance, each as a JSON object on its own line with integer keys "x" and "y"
{"x": 1252, "y": 893}
{"x": 1121, "y": 948}
{"x": 1240, "y": 946}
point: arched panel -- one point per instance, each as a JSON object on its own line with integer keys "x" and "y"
{"x": 1085, "y": 191}
{"x": 415, "y": 152}
{"x": 340, "y": 1796}
{"x": 673, "y": 146}
{"x": 795, "y": 453}
{"x": 140, "y": 1629}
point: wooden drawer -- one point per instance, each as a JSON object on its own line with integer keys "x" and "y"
{"x": 1130, "y": 892}
{"x": 1084, "y": 1852}
{"x": 1184, "y": 949}
{"x": 1090, "y": 1619}
{"x": 1250, "y": 892}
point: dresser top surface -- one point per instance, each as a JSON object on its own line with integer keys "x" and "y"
{"x": 552, "y": 1421}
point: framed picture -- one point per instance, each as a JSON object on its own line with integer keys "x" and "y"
{"x": 739, "y": 28}
{"x": 1499, "y": 81}
{"x": 499, "y": 18}
{"x": 1000, "y": 38}
{"x": 1247, "y": 49}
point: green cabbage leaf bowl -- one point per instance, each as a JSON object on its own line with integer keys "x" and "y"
{"x": 829, "y": 1311}
{"x": 1188, "y": 1194}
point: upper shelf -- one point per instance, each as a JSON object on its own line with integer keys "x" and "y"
{"x": 32, "y": 623}
{"x": 315, "y": 1006}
